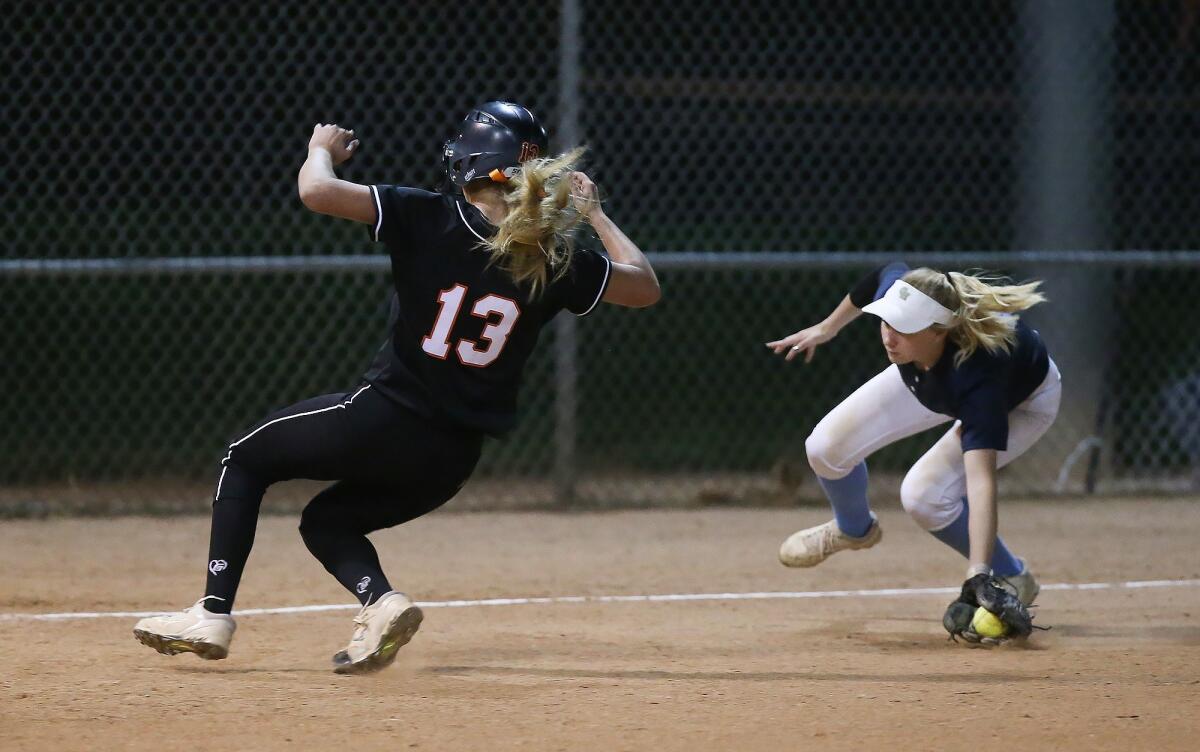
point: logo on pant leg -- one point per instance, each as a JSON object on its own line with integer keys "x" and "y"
{"x": 363, "y": 584}
{"x": 218, "y": 565}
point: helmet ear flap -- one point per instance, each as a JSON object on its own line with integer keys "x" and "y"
{"x": 493, "y": 141}
{"x": 450, "y": 165}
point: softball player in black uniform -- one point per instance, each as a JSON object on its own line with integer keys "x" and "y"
{"x": 476, "y": 276}
{"x": 960, "y": 353}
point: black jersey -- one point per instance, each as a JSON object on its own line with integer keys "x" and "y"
{"x": 984, "y": 388}
{"x": 461, "y": 330}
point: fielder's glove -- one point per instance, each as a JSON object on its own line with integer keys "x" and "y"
{"x": 989, "y": 592}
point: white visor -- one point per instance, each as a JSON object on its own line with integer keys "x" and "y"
{"x": 908, "y": 310}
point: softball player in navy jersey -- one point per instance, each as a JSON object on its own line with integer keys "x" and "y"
{"x": 959, "y": 353}
{"x": 476, "y": 276}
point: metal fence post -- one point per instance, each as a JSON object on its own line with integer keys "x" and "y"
{"x": 1066, "y": 70}
{"x": 565, "y": 326}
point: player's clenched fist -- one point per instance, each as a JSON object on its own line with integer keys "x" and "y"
{"x": 339, "y": 142}
{"x": 584, "y": 193}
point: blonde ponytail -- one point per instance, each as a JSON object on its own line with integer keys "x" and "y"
{"x": 982, "y": 306}
{"x": 535, "y": 240}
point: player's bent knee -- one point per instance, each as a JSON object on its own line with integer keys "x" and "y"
{"x": 914, "y": 491}
{"x": 237, "y": 482}
{"x": 921, "y": 499}
{"x": 314, "y": 521}
{"x": 928, "y": 506}
{"x": 319, "y": 538}
{"x": 938, "y": 514}
{"x": 824, "y": 457}
{"x": 244, "y": 457}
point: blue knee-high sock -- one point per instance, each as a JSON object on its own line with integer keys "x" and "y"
{"x": 848, "y": 496}
{"x": 956, "y": 536}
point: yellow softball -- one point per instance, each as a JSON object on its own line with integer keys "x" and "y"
{"x": 987, "y": 624}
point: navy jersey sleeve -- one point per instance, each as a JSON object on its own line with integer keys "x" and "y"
{"x": 983, "y": 410}
{"x": 583, "y": 285}
{"x": 873, "y": 286}
{"x": 398, "y": 210}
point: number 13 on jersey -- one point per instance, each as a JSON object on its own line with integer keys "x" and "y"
{"x": 450, "y": 302}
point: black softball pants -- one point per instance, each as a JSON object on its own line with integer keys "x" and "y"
{"x": 391, "y": 466}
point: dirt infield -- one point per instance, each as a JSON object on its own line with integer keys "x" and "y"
{"x": 1120, "y": 669}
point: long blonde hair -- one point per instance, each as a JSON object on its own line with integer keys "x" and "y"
{"x": 982, "y": 306}
{"x": 536, "y": 238}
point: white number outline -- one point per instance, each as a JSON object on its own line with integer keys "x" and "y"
{"x": 495, "y": 332}
{"x": 439, "y": 336}
{"x": 436, "y": 344}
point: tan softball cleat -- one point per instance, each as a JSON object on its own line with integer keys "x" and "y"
{"x": 1023, "y": 585}
{"x": 194, "y": 630}
{"x": 381, "y": 629}
{"x": 810, "y": 547}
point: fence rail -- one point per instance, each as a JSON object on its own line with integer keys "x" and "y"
{"x": 667, "y": 260}
{"x": 156, "y": 360}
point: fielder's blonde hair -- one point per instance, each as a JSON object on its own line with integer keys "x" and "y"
{"x": 982, "y": 307}
{"x": 536, "y": 239}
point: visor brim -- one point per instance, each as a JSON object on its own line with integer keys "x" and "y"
{"x": 905, "y": 322}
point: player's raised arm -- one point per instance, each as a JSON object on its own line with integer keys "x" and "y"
{"x": 321, "y": 189}
{"x": 633, "y": 283}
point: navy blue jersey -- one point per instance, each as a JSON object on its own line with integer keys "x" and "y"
{"x": 873, "y": 286}
{"x": 461, "y": 330}
{"x": 984, "y": 388}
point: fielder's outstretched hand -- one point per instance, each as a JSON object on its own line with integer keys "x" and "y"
{"x": 339, "y": 142}
{"x": 804, "y": 341}
{"x": 988, "y": 592}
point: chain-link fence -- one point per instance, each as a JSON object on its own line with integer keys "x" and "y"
{"x": 170, "y": 134}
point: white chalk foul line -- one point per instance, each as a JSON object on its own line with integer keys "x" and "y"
{"x": 660, "y": 598}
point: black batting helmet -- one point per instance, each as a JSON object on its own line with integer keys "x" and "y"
{"x": 492, "y": 142}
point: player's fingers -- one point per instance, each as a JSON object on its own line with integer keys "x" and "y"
{"x": 809, "y": 354}
{"x": 352, "y": 145}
